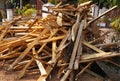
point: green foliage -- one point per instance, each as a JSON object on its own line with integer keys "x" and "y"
{"x": 30, "y": 11}
{"x": 26, "y": 10}
{"x": 116, "y": 24}
{"x": 82, "y": 1}
{"x": 107, "y": 3}
{"x": 53, "y": 1}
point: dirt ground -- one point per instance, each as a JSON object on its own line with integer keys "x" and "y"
{"x": 13, "y": 75}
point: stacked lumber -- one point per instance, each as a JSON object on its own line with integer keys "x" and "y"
{"x": 60, "y": 42}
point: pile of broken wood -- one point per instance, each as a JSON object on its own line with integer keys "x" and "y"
{"x": 65, "y": 43}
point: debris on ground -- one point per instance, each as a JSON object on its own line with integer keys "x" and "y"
{"x": 64, "y": 45}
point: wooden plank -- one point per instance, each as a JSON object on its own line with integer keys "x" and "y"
{"x": 3, "y": 33}
{"x": 44, "y": 44}
{"x": 97, "y": 56}
{"x": 87, "y": 66}
{"x": 52, "y": 39}
{"x": 74, "y": 52}
{"x": 39, "y": 64}
{"x": 7, "y": 26}
{"x": 75, "y": 27}
{"x": 92, "y": 47}
{"x": 27, "y": 50}
{"x": 22, "y": 72}
{"x": 54, "y": 51}
{"x": 48, "y": 70}
{"x": 79, "y": 50}
{"x": 114, "y": 7}
{"x": 78, "y": 57}
{"x": 64, "y": 40}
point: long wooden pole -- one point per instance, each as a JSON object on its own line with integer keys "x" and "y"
{"x": 114, "y": 7}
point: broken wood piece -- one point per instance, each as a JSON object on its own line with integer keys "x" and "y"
{"x": 100, "y": 39}
{"x": 59, "y": 19}
{"x": 93, "y": 73}
{"x": 31, "y": 24}
{"x": 87, "y": 66}
{"x": 39, "y": 64}
{"x": 48, "y": 70}
{"x": 88, "y": 3}
{"x": 54, "y": 51}
{"x": 78, "y": 57}
{"x": 92, "y": 47}
{"x": 79, "y": 52}
{"x": 114, "y": 7}
{"x": 44, "y": 44}
{"x": 66, "y": 75}
{"x": 106, "y": 46}
{"x": 3, "y": 34}
{"x": 75, "y": 27}
{"x": 11, "y": 54}
{"x": 75, "y": 47}
{"x": 7, "y": 26}
{"x": 52, "y": 39}
{"x": 74, "y": 52}
{"x": 51, "y": 45}
{"x": 22, "y": 72}
{"x": 97, "y": 56}
{"x": 27, "y": 50}
{"x": 60, "y": 47}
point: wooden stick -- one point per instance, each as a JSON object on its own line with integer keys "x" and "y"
{"x": 11, "y": 54}
{"x": 75, "y": 27}
{"x": 66, "y": 75}
{"x": 54, "y": 51}
{"x": 79, "y": 49}
{"x": 54, "y": 32}
{"x": 73, "y": 54}
{"x": 49, "y": 68}
{"x": 93, "y": 73}
{"x": 114, "y": 7}
{"x": 52, "y": 39}
{"x": 92, "y": 47}
{"x": 31, "y": 24}
{"x": 63, "y": 42}
{"x": 3, "y": 34}
{"x": 40, "y": 65}
{"x": 108, "y": 45}
{"x": 85, "y": 4}
{"x": 83, "y": 69}
{"x": 8, "y": 25}
{"x": 27, "y": 50}
{"x": 78, "y": 57}
{"x": 97, "y": 56}
{"x": 22, "y": 72}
